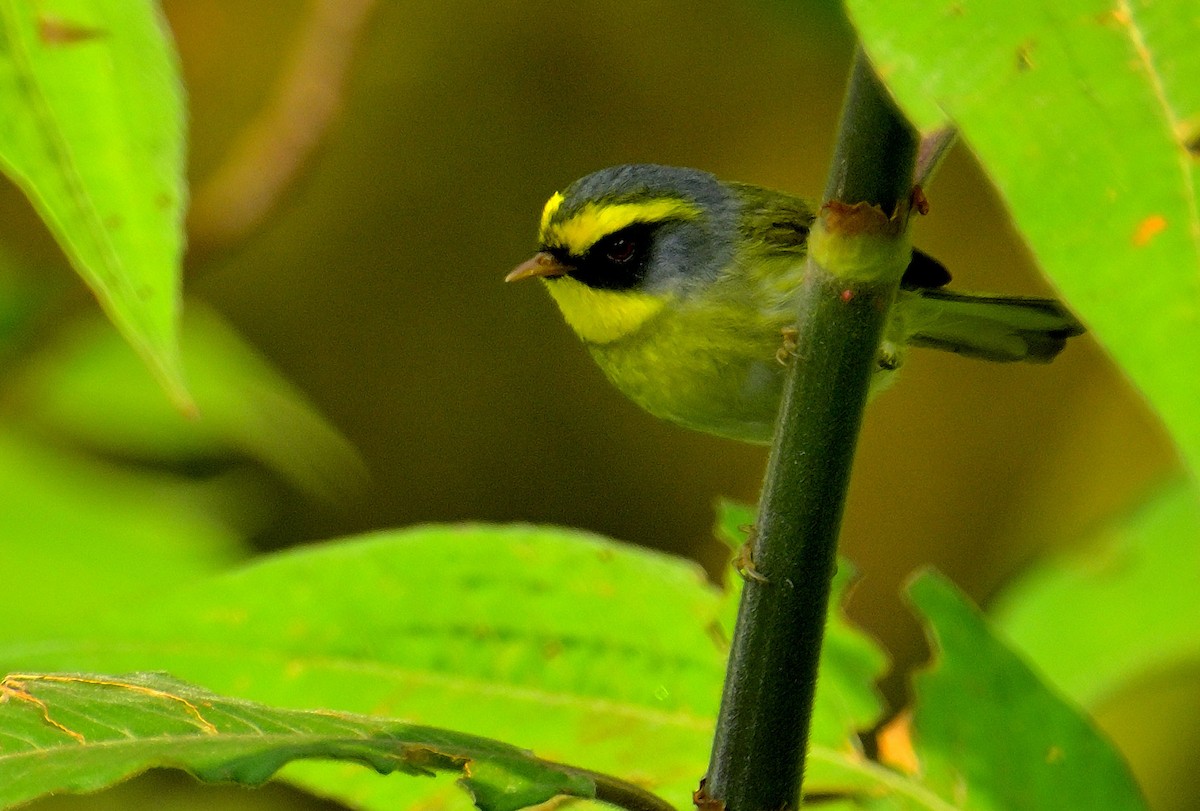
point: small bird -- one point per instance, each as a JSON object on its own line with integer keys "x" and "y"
{"x": 682, "y": 287}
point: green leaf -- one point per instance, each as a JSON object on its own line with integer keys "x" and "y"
{"x": 1084, "y": 618}
{"x": 84, "y": 732}
{"x": 1086, "y": 116}
{"x": 84, "y": 535}
{"x": 93, "y": 133}
{"x": 586, "y": 650}
{"x": 83, "y": 538}
{"x": 988, "y": 734}
{"x": 89, "y": 387}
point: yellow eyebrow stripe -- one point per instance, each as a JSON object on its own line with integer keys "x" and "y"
{"x": 550, "y": 210}
{"x": 594, "y": 221}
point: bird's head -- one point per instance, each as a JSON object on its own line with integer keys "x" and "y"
{"x": 618, "y": 246}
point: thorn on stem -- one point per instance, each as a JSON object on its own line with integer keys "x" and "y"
{"x": 919, "y": 201}
{"x": 744, "y": 561}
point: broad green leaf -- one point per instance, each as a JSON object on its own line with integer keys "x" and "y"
{"x": 586, "y": 650}
{"x": 1122, "y": 607}
{"x": 82, "y": 538}
{"x": 1086, "y": 116}
{"x": 93, "y": 132}
{"x": 989, "y": 735}
{"x": 89, "y": 387}
{"x": 84, "y": 732}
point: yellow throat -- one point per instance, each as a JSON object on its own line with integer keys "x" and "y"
{"x": 602, "y": 316}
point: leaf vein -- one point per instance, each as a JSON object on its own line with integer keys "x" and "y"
{"x": 1126, "y": 18}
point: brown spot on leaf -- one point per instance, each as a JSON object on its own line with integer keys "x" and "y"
{"x": 1117, "y": 16}
{"x": 1188, "y": 132}
{"x": 896, "y": 745}
{"x": 1025, "y": 56}
{"x": 717, "y": 634}
{"x": 427, "y": 758}
{"x": 54, "y": 31}
{"x": 1148, "y": 229}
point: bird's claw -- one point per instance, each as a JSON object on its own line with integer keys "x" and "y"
{"x": 889, "y": 357}
{"x": 789, "y": 347}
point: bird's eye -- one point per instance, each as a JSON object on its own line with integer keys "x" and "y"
{"x": 617, "y": 261}
{"x": 620, "y": 250}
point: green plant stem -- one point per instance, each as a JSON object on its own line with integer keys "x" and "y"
{"x": 876, "y": 146}
{"x": 758, "y": 752}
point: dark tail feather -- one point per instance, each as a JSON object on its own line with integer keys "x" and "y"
{"x": 998, "y": 328}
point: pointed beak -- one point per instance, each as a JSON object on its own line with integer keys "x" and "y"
{"x": 542, "y": 264}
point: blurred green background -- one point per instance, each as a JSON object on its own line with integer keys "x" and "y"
{"x": 375, "y": 287}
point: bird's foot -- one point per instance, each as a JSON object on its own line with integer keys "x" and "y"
{"x": 790, "y": 346}
{"x": 889, "y": 358}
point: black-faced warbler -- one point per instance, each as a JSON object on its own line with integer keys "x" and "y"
{"x": 682, "y": 287}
